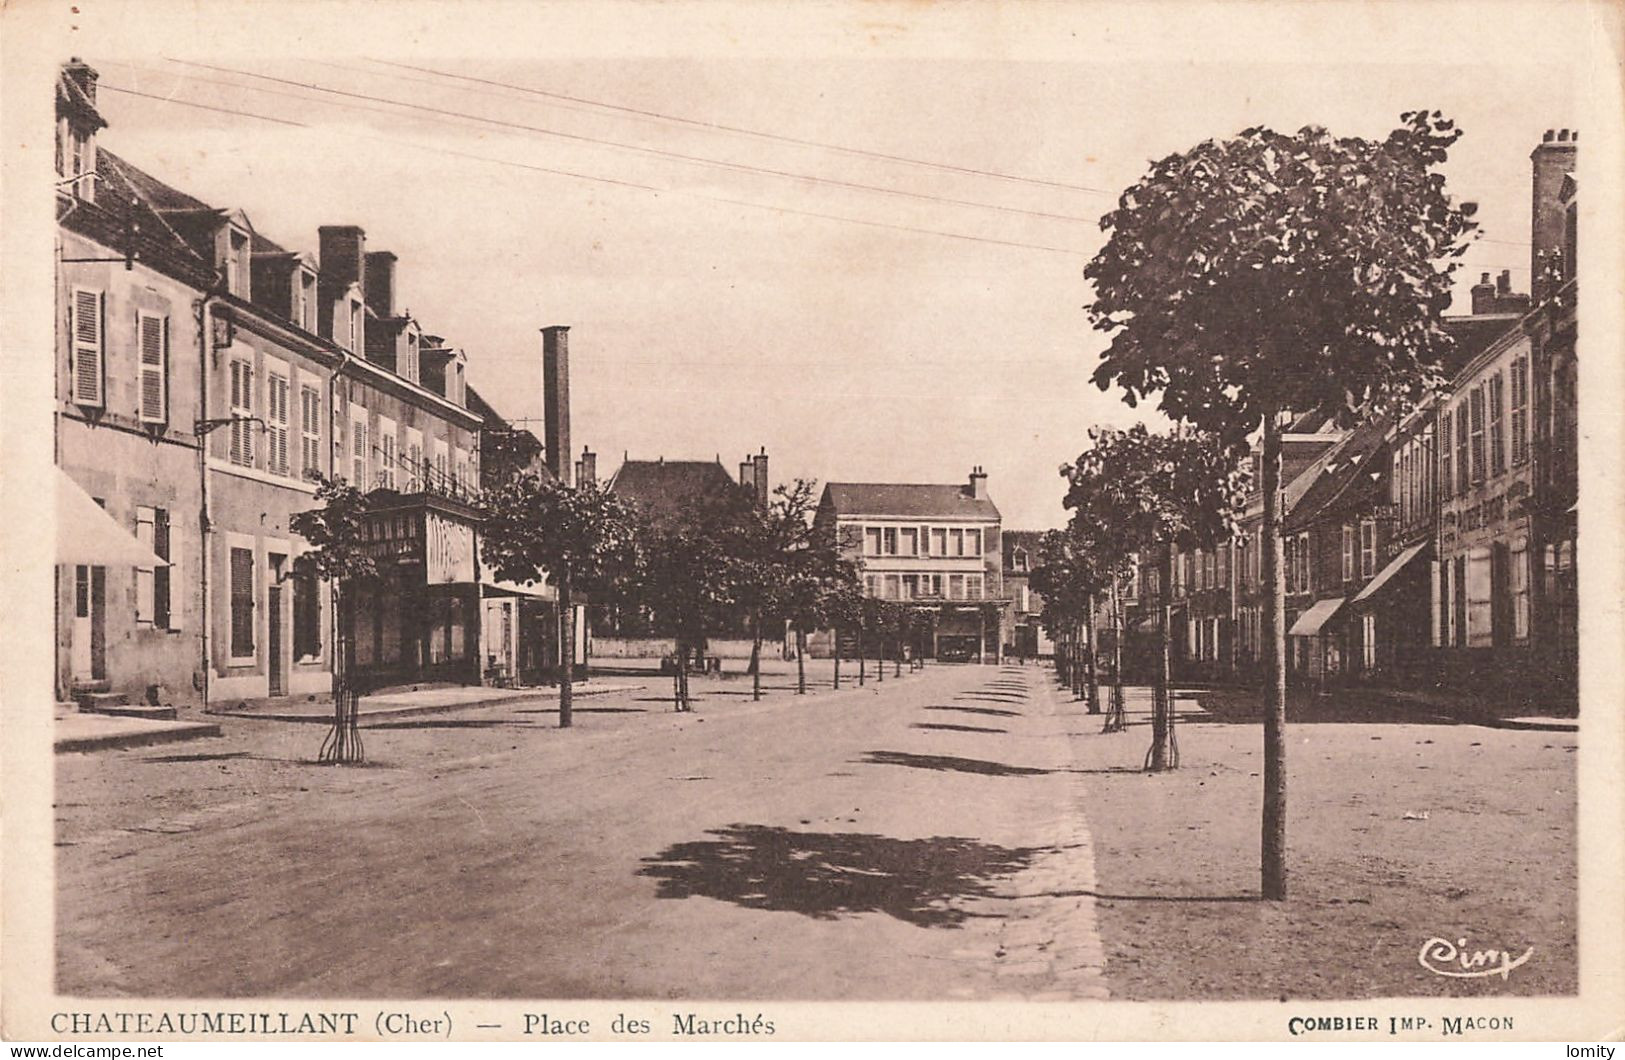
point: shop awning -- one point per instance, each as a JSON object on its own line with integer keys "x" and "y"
{"x": 1375, "y": 585}
{"x": 86, "y": 534}
{"x": 540, "y": 590}
{"x": 1309, "y": 623}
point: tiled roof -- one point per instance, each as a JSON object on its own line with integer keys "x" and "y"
{"x": 124, "y": 194}
{"x": 907, "y": 499}
{"x": 673, "y": 489}
{"x": 1474, "y": 334}
{"x": 1339, "y": 474}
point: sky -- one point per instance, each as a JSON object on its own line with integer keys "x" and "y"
{"x": 726, "y": 305}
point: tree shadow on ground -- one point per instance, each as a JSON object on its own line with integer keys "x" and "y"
{"x": 990, "y": 697}
{"x": 826, "y": 875}
{"x": 952, "y": 764}
{"x": 991, "y": 711}
{"x": 450, "y": 723}
{"x": 1342, "y": 707}
{"x": 588, "y": 710}
{"x": 1098, "y": 896}
{"x": 209, "y": 756}
{"x": 954, "y": 728}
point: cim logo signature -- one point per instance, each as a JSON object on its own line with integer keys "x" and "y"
{"x": 1443, "y": 957}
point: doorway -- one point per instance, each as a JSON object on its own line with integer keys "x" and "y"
{"x": 89, "y": 635}
{"x": 277, "y": 680}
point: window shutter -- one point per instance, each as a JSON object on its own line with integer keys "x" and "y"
{"x": 177, "y": 583}
{"x": 88, "y": 348}
{"x": 144, "y": 532}
{"x": 161, "y": 576}
{"x": 154, "y": 384}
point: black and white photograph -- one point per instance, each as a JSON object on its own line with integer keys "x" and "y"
{"x": 699, "y": 521}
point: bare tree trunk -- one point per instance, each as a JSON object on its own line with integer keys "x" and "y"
{"x": 1115, "y": 720}
{"x": 756, "y": 655}
{"x": 837, "y": 638}
{"x": 1092, "y": 675}
{"x": 862, "y": 661}
{"x": 880, "y": 654}
{"x": 801, "y": 661}
{"x": 343, "y": 744}
{"x": 1273, "y": 840}
{"x": 567, "y": 650}
{"x": 1161, "y": 756}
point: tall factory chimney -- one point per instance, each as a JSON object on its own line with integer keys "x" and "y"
{"x": 556, "y": 399}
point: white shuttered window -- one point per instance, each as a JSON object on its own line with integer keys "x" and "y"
{"x": 88, "y": 347}
{"x": 152, "y": 334}
{"x": 242, "y": 407}
{"x": 276, "y": 421}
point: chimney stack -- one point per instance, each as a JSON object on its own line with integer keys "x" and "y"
{"x": 759, "y": 477}
{"x": 978, "y": 483}
{"x": 747, "y": 473}
{"x": 1483, "y": 295}
{"x": 379, "y": 269}
{"x": 587, "y": 468}
{"x": 556, "y": 399}
{"x": 84, "y": 76}
{"x": 1552, "y": 160}
{"x": 342, "y": 260}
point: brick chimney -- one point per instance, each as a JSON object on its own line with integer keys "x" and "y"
{"x": 379, "y": 269}
{"x": 556, "y": 399}
{"x": 759, "y": 481}
{"x": 1483, "y": 295}
{"x": 587, "y": 468}
{"x": 747, "y": 472}
{"x": 342, "y": 260}
{"x": 1552, "y": 159}
{"x": 978, "y": 483}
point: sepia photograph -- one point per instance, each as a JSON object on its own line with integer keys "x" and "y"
{"x": 718, "y": 522}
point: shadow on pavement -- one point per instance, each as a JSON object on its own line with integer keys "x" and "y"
{"x": 828, "y": 875}
{"x": 989, "y": 697}
{"x": 981, "y": 710}
{"x": 954, "y": 728}
{"x": 450, "y": 723}
{"x": 588, "y": 710}
{"x": 950, "y": 763}
{"x": 1343, "y": 707}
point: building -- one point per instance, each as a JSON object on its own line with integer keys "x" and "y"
{"x": 934, "y": 547}
{"x": 207, "y": 378}
{"x": 1024, "y": 634}
{"x": 128, "y": 414}
{"x": 697, "y": 495}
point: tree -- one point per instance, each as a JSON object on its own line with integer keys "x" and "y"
{"x": 1271, "y": 273}
{"x": 536, "y": 527}
{"x": 338, "y": 554}
{"x": 841, "y": 601}
{"x": 818, "y": 578}
{"x": 1155, "y": 493}
{"x": 1071, "y": 571}
{"x": 763, "y": 547}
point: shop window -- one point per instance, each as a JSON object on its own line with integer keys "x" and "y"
{"x": 241, "y": 587}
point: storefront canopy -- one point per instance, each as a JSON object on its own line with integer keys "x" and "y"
{"x": 1310, "y": 622}
{"x": 86, "y": 534}
{"x": 1396, "y": 564}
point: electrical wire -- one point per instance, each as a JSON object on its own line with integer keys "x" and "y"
{"x": 741, "y": 167}
{"x": 612, "y": 180}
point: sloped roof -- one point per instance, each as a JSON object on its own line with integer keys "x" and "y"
{"x": 1010, "y": 540}
{"x": 907, "y": 500}
{"x": 673, "y": 489}
{"x": 127, "y": 201}
{"x": 1474, "y": 334}
{"x": 1340, "y": 472}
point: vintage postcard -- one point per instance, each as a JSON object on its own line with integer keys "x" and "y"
{"x": 763, "y": 522}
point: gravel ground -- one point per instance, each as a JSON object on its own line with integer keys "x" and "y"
{"x": 1397, "y": 832}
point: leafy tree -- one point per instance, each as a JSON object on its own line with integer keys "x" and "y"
{"x": 578, "y": 536}
{"x": 1267, "y": 273}
{"x": 1132, "y": 490}
{"x": 1072, "y": 570}
{"x": 338, "y": 554}
{"x": 842, "y": 602}
{"x": 764, "y": 546}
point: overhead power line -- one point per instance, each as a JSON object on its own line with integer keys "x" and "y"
{"x": 741, "y": 131}
{"x": 740, "y": 167}
{"x": 608, "y": 180}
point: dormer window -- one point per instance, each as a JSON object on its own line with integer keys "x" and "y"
{"x": 303, "y": 303}
{"x": 1019, "y": 559}
{"x": 409, "y": 364}
{"x": 357, "y": 326}
{"x": 234, "y": 250}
